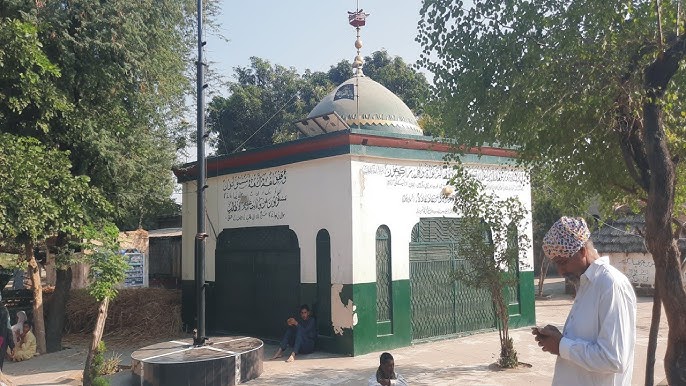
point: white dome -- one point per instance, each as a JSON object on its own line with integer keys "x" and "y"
{"x": 376, "y": 107}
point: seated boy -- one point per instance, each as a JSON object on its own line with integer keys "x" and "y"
{"x": 385, "y": 375}
{"x": 27, "y": 344}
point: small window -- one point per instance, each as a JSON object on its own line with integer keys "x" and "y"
{"x": 384, "y": 308}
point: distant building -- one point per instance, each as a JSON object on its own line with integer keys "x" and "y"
{"x": 622, "y": 240}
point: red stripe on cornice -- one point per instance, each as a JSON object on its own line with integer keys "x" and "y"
{"x": 341, "y": 138}
{"x": 418, "y": 144}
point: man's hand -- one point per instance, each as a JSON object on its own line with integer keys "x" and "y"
{"x": 548, "y": 338}
{"x": 292, "y": 322}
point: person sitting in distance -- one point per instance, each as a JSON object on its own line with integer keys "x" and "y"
{"x": 301, "y": 335}
{"x": 385, "y": 374}
{"x": 27, "y": 346}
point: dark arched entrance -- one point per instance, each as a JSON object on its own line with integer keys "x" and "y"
{"x": 257, "y": 279}
{"x": 322, "y": 307}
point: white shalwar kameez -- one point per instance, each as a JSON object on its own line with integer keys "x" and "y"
{"x": 598, "y": 340}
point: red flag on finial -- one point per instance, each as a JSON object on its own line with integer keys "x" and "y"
{"x": 357, "y": 18}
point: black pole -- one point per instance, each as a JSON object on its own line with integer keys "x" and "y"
{"x": 199, "y": 337}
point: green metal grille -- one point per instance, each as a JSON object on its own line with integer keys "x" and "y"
{"x": 440, "y": 305}
{"x": 383, "y": 274}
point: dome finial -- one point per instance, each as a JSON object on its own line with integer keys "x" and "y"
{"x": 357, "y": 19}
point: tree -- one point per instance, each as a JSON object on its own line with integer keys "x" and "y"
{"x": 105, "y": 81}
{"x": 124, "y": 71}
{"x": 266, "y": 99}
{"x": 39, "y": 197}
{"x": 545, "y": 210}
{"x": 492, "y": 247}
{"x": 108, "y": 269}
{"x": 27, "y": 78}
{"x": 591, "y": 93}
{"x": 263, "y": 104}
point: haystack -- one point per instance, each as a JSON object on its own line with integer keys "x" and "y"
{"x": 134, "y": 313}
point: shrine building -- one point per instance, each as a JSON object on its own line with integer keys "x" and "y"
{"x": 349, "y": 219}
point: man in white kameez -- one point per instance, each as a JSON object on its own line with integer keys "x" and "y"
{"x": 596, "y": 346}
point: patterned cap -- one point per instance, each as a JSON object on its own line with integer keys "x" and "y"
{"x": 565, "y": 237}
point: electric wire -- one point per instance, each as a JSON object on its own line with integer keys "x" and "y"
{"x": 288, "y": 102}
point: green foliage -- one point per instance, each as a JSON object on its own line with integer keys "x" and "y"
{"x": 97, "y": 366}
{"x": 266, "y": 99}
{"x": 27, "y": 78}
{"x": 492, "y": 246}
{"x": 557, "y": 80}
{"x": 591, "y": 93}
{"x": 107, "y": 271}
{"x": 11, "y": 261}
{"x": 38, "y": 194}
{"x": 106, "y": 81}
{"x": 491, "y": 243}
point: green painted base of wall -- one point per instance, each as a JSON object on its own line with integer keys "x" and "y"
{"x": 527, "y": 302}
{"x": 366, "y": 336}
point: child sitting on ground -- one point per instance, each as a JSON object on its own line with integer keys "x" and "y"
{"x": 27, "y": 346}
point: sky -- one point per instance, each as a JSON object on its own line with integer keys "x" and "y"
{"x": 308, "y": 34}
{"x": 305, "y": 34}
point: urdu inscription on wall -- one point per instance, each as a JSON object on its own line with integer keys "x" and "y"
{"x": 421, "y": 184}
{"x": 254, "y": 196}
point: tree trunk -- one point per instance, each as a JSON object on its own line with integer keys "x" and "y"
{"x": 38, "y": 321}
{"x": 652, "y": 338}
{"x": 659, "y": 236}
{"x": 545, "y": 264}
{"x": 57, "y": 310}
{"x": 50, "y": 271}
{"x": 97, "y": 336}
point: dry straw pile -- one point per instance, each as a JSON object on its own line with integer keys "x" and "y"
{"x": 134, "y": 313}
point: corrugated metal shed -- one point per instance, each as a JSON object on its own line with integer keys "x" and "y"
{"x": 621, "y": 235}
{"x": 165, "y": 232}
{"x": 624, "y": 235}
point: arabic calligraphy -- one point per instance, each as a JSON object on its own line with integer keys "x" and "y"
{"x": 421, "y": 184}
{"x": 436, "y": 176}
{"x": 255, "y": 196}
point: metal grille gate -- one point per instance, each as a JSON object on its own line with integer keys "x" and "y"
{"x": 440, "y": 305}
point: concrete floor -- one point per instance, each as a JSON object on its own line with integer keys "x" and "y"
{"x": 460, "y": 361}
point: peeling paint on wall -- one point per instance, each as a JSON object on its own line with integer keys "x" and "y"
{"x": 343, "y": 315}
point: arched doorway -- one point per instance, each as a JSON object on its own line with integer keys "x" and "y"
{"x": 440, "y": 305}
{"x": 322, "y": 306}
{"x": 257, "y": 279}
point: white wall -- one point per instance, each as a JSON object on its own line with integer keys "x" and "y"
{"x": 349, "y": 198}
{"x": 638, "y": 267}
{"x": 306, "y": 196}
{"x": 188, "y": 230}
{"x": 397, "y": 193}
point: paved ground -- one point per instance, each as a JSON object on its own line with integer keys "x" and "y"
{"x": 460, "y": 361}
